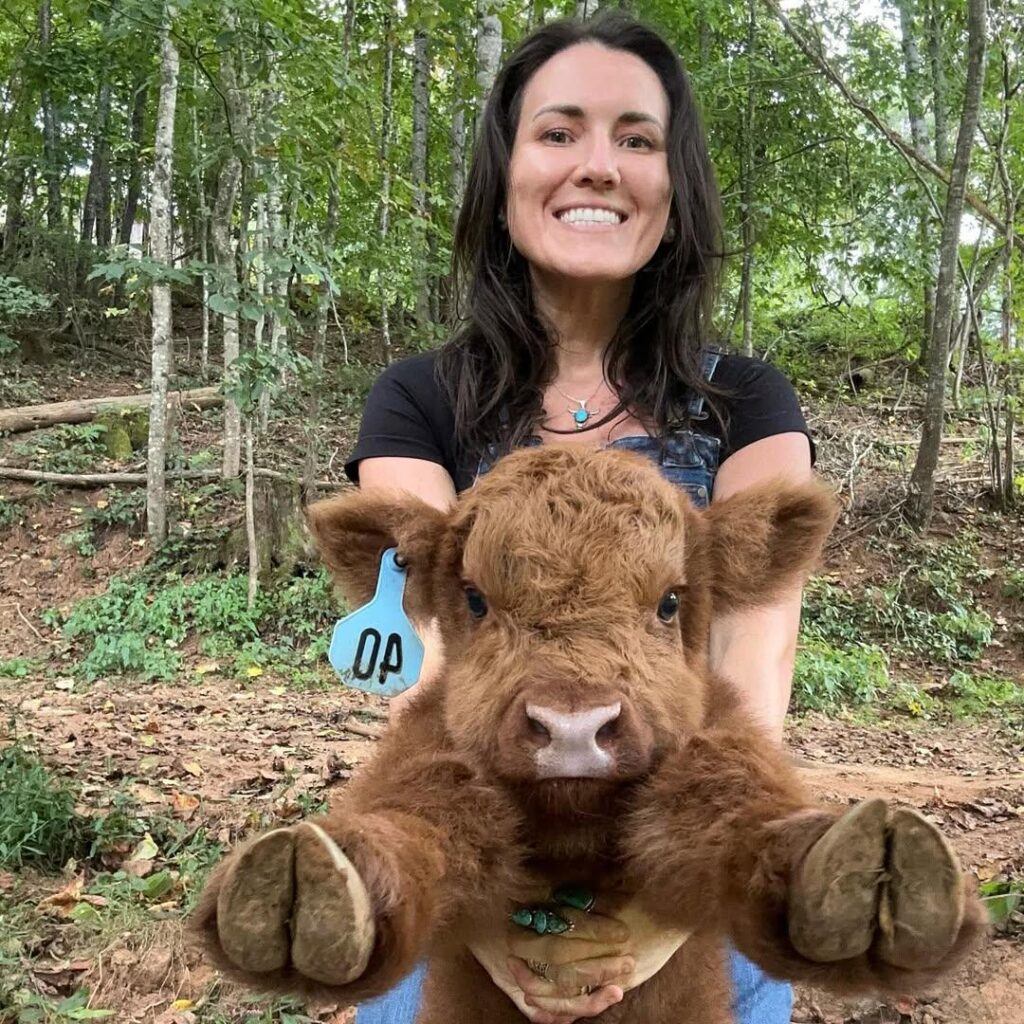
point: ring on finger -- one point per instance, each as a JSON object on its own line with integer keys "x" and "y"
{"x": 585, "y": 990}
{"x": 539, "y": 968}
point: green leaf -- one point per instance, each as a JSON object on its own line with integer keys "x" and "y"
{"x": 224, "y": 304}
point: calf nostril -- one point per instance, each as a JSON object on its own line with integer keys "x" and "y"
{"x": 609, "y": 730}
{"x": 538, "y": 728}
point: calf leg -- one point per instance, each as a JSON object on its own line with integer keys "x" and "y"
{"x": 869, "y": 900}
{"x": 345, "y": 905}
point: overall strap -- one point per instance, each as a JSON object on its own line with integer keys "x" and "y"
{"x": 709, "y": 360}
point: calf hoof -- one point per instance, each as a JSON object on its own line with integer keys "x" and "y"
{"x": 293, "y": 899}
{"x": 880, "y": 882}
{"x": 833, "y": 906}
{"x": 922, "y": 904}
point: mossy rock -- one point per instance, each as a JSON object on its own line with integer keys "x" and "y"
{"x": 138, "y": 429}
{"x": 124, "y": 433}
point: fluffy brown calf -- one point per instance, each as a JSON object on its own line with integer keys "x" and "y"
{"x": 577, "y": 735}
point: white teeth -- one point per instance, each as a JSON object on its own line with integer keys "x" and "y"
{"x": 591, "y": 215}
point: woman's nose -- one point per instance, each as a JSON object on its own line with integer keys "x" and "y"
{"x": 599, "y": 167}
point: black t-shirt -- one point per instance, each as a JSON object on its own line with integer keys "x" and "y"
{"x": 408, "y": 414}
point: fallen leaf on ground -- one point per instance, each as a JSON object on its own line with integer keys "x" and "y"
{"x": 64, "y": 902}
{"x": 145, "y": 850}
{"x": 184, "y": 804}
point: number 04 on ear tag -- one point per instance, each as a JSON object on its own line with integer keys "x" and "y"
{"x": 375, "y": 648}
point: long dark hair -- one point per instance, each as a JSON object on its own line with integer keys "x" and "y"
{"x": 498, "y": 361}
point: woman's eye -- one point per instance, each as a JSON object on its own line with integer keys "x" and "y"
{"x": 559, "y": 135}
{"x": 638, "y": 142}
{"x": 476, "y": 603}
{"x": 668, "y": 606}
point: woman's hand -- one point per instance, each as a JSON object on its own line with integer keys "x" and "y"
{"x": 568, "y": 962}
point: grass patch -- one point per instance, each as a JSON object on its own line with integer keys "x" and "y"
{"x": 38, "y": 824}
{"x": 139, "y": 625}
{"x": 18, "y": 668}
{"x": 929, "y": 612}
{"x": 69, "y": 448}
{"x": 829, "y": 679}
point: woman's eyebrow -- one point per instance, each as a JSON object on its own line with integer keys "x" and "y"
{"x": 571, "y": 110}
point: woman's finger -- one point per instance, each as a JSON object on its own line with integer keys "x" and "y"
{"x": 570, "y": 980}
{"x": 582, "y": 1006}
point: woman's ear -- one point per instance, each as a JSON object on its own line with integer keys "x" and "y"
{"x": 766, "y": 540}
{"x": 353, "y": 531}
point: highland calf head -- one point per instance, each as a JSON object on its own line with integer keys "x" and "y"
{"x": 573, "y": 590}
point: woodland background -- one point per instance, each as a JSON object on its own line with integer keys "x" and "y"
{"x": 218, "y": 221}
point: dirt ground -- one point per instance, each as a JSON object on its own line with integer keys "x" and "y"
{"x": 232, "y": 757}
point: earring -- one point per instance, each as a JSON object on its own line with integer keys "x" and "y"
{"x": 670, "y": 232}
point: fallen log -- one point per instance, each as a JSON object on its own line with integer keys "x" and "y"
{"x": 38, "y": 476}
{"x": 34, "y": 417}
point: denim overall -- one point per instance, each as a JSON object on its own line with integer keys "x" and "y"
{"x": 689, "y": 459}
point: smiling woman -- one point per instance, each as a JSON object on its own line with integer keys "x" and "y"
{"x": 588, "y": 249}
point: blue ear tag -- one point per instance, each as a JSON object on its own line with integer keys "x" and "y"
{"x": 375, "y": 648}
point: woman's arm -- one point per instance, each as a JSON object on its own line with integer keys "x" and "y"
{"x": 756, "y": 649}
{"x": 426, "y": 480}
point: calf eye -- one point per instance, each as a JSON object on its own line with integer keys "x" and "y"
{"x": 476, "y": 602}
{"x": 668, "y": 606}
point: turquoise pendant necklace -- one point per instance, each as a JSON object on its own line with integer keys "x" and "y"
{"x": 580, "y": 415}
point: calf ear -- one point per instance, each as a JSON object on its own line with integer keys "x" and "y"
{"x": 353, "y": 531}
{"x": 766, "y": 540}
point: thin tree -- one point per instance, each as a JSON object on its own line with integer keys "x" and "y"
{"x": 133, "y": 189}
{"x": 921, "y": 492}
{"x": 420, "y": 122}
{"x": 747, "y": 186}
{"x": 96, "y": 215}
{"x": 51, "y": 170}
{"x": 161, "y": 234}
{"x": 488, "y": 54}
{"x": 387, "y": 101}
{"x": 913, "y": 92}
{"x": 224, "y": 253}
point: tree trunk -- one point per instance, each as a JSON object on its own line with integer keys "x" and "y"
{"x": 277, "y": 245}
{"x": 458, "y": 159}
{"x": 940, "y": 95}
{"x": 96, "y": 215}
{"x": 913, "y": 92}
{"x": 140, "y": 95}
{"x": 921, "y": 493}
{"x": 385, "y": 196}
{"x": 52, "y": 166}
{"x": 250, "y": 518}
{"x": 161, "y": 251}
{"x": 747, "y": 190}
{"x": 586, "y": 9}
{"x": 420, "y": 122}
{"x": 488, "y": 56}
{"x": 224, "y": 254}
{"x": 202, "y": 224}
{"x": 16, "y": 180}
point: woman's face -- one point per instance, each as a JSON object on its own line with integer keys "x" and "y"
{"x": 589, "y": 189}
